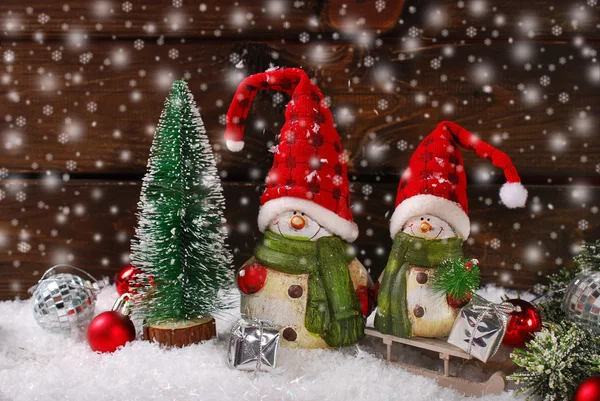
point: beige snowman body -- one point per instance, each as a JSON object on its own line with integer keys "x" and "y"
{"x": 283, "y": 298}
{"x": 283, "y": 301}
{"x": 428, "y": 311}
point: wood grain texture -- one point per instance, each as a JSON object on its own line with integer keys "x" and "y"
{"x": 89, "y": 224}
{"x": 98, "y": 117}
{"x": 288, "y": 18}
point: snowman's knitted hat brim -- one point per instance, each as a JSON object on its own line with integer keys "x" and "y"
{"x": 445, "y": 209}
{"x": 345, "y": 229}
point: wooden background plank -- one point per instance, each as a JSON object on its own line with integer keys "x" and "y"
{"x": 113, "y": 108}
{"x": 89, "y": 224}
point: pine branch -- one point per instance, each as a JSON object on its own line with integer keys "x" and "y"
{"x": 457, "y": 278}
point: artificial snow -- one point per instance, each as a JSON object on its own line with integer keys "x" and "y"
{"x": 35, "y": 364}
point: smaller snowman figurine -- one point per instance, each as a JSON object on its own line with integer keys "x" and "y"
{"x": 428, "y": 226}
{"x": 302, "y": 276}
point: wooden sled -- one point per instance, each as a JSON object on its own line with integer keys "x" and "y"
{"x": 494, "y": 385}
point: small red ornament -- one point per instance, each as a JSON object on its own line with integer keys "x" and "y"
{"x": 124, "y": 280}
{"x": 588, "y": 390}
{"x": 457, "y": 303}
{"x": 252, "y": 278}
{"x": 366, "y": 299}
{"x": 523, "y": 324}
{"x": 112, "y": 329}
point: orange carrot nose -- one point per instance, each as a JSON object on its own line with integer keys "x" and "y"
{"x": 297, "y": 223}
{"x": 425, "y": 227}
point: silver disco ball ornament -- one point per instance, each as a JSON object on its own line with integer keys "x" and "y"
{"x": 64, "y": 302}
{"x": 582, "y": 301}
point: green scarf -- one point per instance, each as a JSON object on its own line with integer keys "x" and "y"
{"x": 392, "y": 314}
{"x": 332, "y": 309}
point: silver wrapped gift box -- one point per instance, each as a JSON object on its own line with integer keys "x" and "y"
{"x": 253, "y": 345}
{"x": 480, "y": 327}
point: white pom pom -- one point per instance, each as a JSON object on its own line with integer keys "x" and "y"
{"x": 513, "y": 195}
{"x": 235, "y": 146}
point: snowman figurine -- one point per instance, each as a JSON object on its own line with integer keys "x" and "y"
{"x": 428, "y": 226}
{"x": 276, "y": 283}
{"x": 302, "y": 276}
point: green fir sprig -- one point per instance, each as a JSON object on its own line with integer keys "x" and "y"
{"x": 554, "y": 363}
{"x": 457, "y": 278}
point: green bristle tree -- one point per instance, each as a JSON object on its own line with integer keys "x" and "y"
{"x": 179, "y": 244}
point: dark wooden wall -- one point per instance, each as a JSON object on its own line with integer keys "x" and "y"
{"x": 82, "y": 87}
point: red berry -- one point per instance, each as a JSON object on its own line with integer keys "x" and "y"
{"x": 522, "y": 325}
{"x": 252, "y": 278}
{"x": 456, "y": 303}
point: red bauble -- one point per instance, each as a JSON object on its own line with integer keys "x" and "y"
{"x": 109, "y": 331}
{"x": 124, "y": 280}
{"x": 588, "y": 390}
{"x": 523, "y": 325}
{"x": 252, "y": 278}
{"x": 456, "y": 303}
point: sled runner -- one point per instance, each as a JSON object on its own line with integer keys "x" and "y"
{"x": 495, "y": 384}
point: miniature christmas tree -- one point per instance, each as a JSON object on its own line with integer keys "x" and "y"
{"x": 559, "y": 358}
{"x": 180, "y": 244}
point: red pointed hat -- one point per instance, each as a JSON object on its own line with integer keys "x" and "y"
{"x": 309, "y": 171}
{"x": 435, "y": 181}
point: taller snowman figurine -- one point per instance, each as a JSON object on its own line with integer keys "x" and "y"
{"x": 302, "y": 276}
{"x": 428, "y": 226}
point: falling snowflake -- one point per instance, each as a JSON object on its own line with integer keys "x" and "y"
{"x": 436, "y": 63}
{"x": 369, "y": 61}
{"x": 367, "y": 189}
{"x": 563, "y": 97}
{"x": 63, "y": 138}
{"x": 43, "y": 18}
{"x": 138, "y": 44}
{"x": 92, "y": 107}
{"x": 277, "y": 98}
{"x": 304, "y": 37}
{"x": 234, "y": 58}
{"x": 21, "y": 196}
{"x": 23, "y": 247}
{"x": 516, "y": 226}
{"x": 382, "y": 104}
{"x": 3, "y": 173}
{"x": 127, "y": 6}
{"x": 56, "y": 55}
{"x": 556, "y": 30}
{"x": 380, "y": 5}
{"x": 337, "y": 180}
{"x": 598, "y": 168}
{"x": 413, "y": 31}
{"x": 173, "y": 54}
{"x": 539, "y": 288}
{"x": 85, "y": 58}
{"x": 583, "y": 159}
{"x": 21, "y": 121}
{"x": 402, "y": 145}
{"x": 9, "y": 56}
{"x": 583, "y": 224}
{"x": 471, "y": 31}
{"x": 544, "y": 80}
{"x": 177, "y": 3}
{"x": 71, "y": 165}
{"x": 495, "y": 243}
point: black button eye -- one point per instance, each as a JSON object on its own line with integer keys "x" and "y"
{"x": 422, "y": 219}
{"x": 302, "y": 214}
{"x": 428, "y": 219}
{"x": 294, "y": 212}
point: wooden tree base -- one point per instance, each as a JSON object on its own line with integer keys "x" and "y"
{"x": 181, "y": 334}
